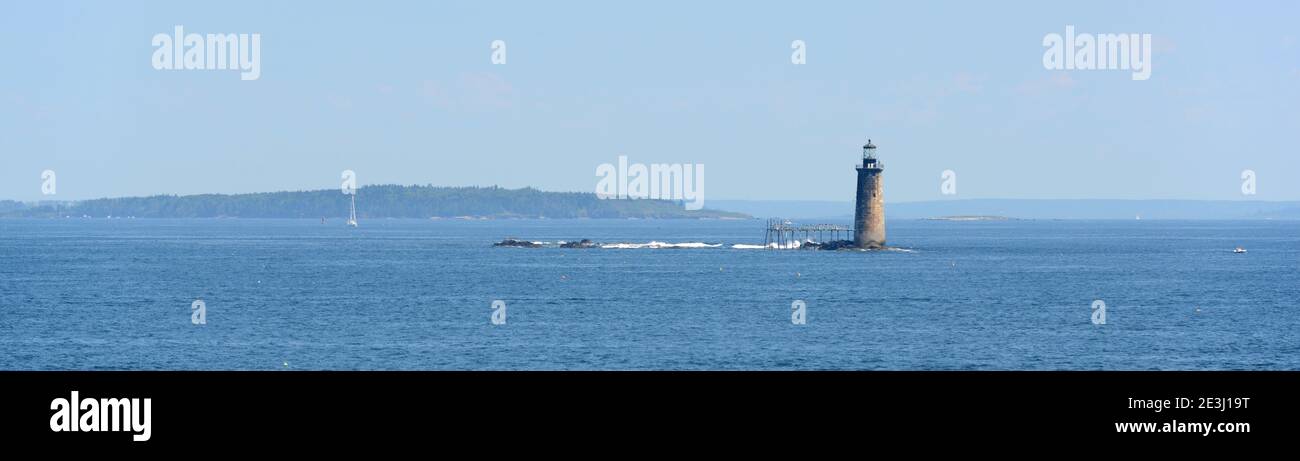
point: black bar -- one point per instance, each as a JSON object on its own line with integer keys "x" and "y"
{"x": 395, "y": 409}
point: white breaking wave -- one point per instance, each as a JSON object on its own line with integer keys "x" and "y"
{"x": 656, "y": 244}
{"x": 792, "y": 245}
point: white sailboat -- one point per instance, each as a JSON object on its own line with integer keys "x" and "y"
{"x": 352, "y": 217}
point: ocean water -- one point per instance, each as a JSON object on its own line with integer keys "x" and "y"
{"x": 417, "y": 294}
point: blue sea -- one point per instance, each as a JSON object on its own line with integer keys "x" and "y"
{"x": 95, "y": 294}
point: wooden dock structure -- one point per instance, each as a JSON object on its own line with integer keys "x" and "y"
{"x": 782, "y": 232}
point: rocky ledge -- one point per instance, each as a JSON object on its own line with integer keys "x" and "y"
{"x": 584, "y": 243}
{"x": 517, "y": 244}
{"x": 840, "y": 245}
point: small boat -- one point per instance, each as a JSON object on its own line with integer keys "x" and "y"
{"x": 1239, "y": 250}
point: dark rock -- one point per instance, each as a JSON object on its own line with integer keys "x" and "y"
{"x": 584, "y": 243}
{"x": 516, "y": 244}
{"x": 838, "y": 245}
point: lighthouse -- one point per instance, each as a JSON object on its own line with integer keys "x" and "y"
{"x": 869, "y": 212}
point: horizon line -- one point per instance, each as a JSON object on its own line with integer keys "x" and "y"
{"x": 1243, "y": 200}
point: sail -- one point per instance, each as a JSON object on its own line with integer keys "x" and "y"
{"x": 352, "y": 213}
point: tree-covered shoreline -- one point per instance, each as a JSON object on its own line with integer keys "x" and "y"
{"x": 379, "y": 201}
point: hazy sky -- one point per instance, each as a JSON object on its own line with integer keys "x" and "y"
{"x": 405, "y": 92}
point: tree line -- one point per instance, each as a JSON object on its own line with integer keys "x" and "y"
{"x": 378, "y": 201}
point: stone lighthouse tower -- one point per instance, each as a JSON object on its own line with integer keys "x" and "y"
{"x": 869, "y": 215}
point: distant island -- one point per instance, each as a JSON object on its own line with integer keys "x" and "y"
{"x": 1026, "y": 209}
{"x": 380, "y": 201}
{"x": 970, "y": 218}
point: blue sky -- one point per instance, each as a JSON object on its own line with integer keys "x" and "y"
{"x": 405, "y": 92}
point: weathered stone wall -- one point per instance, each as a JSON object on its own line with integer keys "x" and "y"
{"x": 869, "y": 212}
